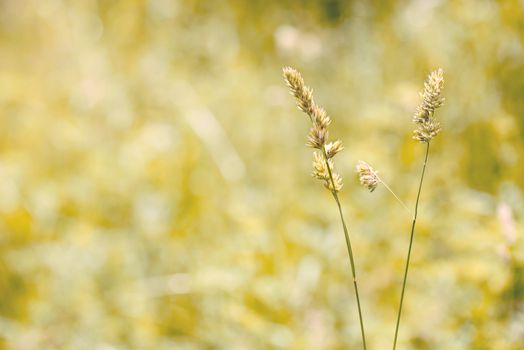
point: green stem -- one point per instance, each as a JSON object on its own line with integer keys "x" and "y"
{"x": 350, "y": 250}
{"x": 410, "y": 246}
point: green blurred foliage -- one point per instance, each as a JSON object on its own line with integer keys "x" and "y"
{"x": 155, "y": 190}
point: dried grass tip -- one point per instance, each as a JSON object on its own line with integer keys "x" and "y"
{"x": 368, "y": 177}
{"x": 427, "y": 126}
{"x": 323, "y": 165}
{"x": 318, "y": 134}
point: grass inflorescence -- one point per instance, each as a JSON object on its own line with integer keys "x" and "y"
{"x": 427, "y": 127}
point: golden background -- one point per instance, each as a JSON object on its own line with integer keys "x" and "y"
{"x": 155, "y": 191}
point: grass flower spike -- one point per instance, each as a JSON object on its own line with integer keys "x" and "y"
{"x": 427, "y": 126}
{"x": 318, "y": 134}
{"x": 323, "y": 164}
{"x": 368, "y": 176}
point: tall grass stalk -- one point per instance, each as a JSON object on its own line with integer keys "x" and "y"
{"x": 351, "y": 260}
{"x": 412, "y": 235}
{"x": 323, "y": 163}
{"x": 427, "y": 128}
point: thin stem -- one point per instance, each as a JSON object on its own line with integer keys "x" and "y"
{"x": 350, "y": 250}
{"x": 394, "y": 194}
{"x": 410, "y": 246}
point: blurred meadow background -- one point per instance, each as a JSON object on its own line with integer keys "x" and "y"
{"x": 155, "y": 191}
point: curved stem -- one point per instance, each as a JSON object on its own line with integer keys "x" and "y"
{"x": 350, "y": 250}
{"x": 394, "y": 194}
{"x": 410, "y": 247}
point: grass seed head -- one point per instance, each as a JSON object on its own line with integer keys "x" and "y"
{"x": 368, "y": 177}
{"x": 323, "y": 166}
{"x": 427, "y": 126}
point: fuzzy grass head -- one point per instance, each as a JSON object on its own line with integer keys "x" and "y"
{"x": 427, "y": 126}
{"x": 318, "y": 136}
{"x": 368, "y": 177}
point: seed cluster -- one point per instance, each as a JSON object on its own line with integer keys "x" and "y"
{"x": 427, "y": 126}
{"x": 368, "y": 177}
{"x": 323, "y": 165}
